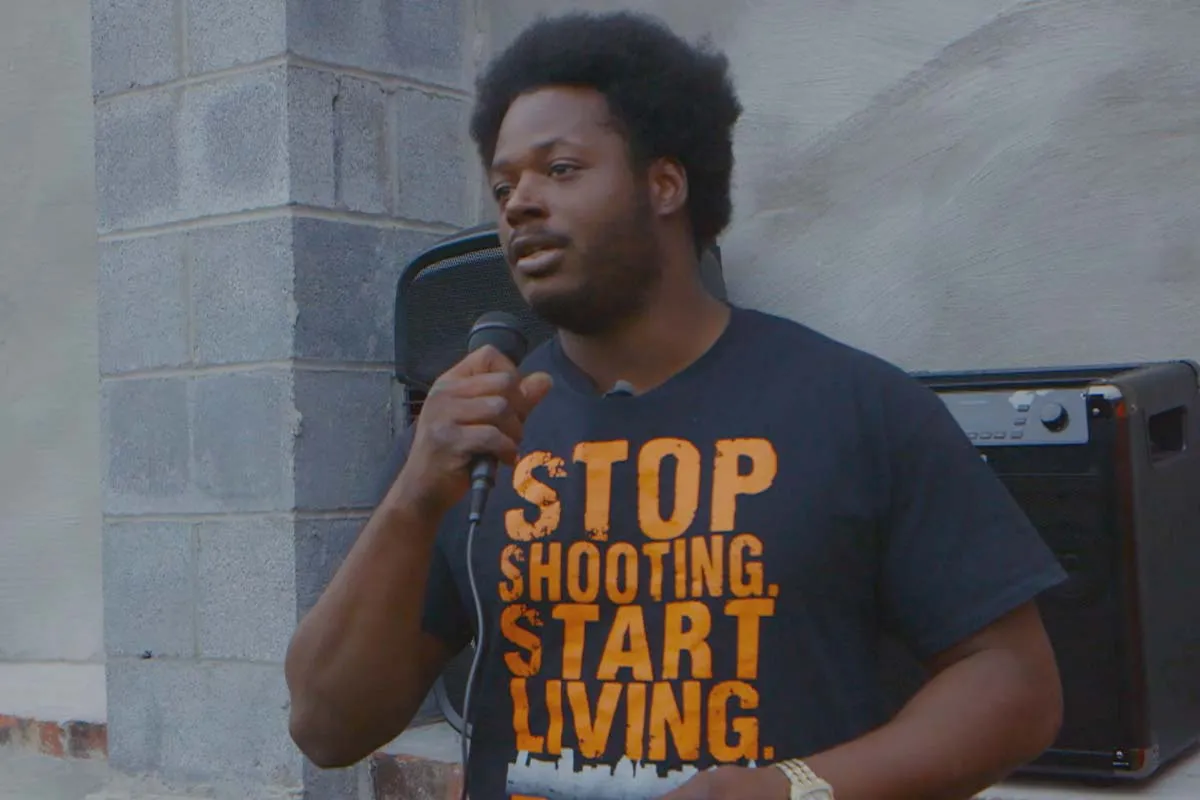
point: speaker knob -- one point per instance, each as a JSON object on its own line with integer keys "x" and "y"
{"x": 1054, "y": 417}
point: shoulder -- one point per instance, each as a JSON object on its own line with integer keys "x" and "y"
{"x": 796, "y": 356}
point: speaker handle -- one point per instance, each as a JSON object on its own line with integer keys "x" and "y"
{"x": 1161, "y": 402}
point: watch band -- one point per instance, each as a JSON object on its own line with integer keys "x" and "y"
{"x": 805, "y": 785}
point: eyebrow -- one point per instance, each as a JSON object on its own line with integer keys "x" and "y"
{"x": 540, "y": 148}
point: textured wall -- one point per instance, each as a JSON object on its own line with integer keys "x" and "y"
{"x": 264, "y": 171}
{"x": 51, "y": 648}
{"x": 962, "y": 184}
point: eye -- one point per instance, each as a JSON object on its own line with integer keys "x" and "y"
{"x": 501, "y": 191}
{"x": 560, "y": 168}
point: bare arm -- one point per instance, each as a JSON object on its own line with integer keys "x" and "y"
{"x": 359, "y": 665}
{"x": 994, "y": 703}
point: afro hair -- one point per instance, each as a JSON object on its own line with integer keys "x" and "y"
{"x": 670, "y": 98}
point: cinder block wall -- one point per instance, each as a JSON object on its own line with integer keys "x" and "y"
{"x": 263, "y": 169}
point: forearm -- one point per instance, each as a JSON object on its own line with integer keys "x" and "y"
{"x": 355, "y": 666}
{"x": 940, "y": 747}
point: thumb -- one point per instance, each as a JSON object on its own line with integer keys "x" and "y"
{"x": 534, "y": 387}
{"x": 478, "y": 362}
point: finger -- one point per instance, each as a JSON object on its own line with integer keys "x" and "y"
{"x": 495, "y": 410}
{"x": 696, "y": 788}
{"x": 533, "y": 389}
{"x": 478, "y": 440}
{"x": 505, "y": 382}
{"x": 485, "y": 359}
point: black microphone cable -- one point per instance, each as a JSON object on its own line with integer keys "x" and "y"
{"x": 467, "y": 728}
{"x": 503, "y": 332}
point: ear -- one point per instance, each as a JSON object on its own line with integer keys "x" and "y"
{"x": 668, "y": 184}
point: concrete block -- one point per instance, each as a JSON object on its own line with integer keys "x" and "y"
{"x": 310, "y": 96}
{"x": 242, "y": 307}
{"x": 137, "y": 172}
{"x": 234, "y": 144}
{"x": 242, "y": 428}
{"x": 246, "y": 589}
{"x": 218, "y": 723}
{"x": 333, "y": 32}
{"x": 226, "y": 33}
{"x": 361, "y": 150}
{"x": 425, "y": 39}
{"x": 340, "y": 144}
{"x": 321, "y": 547}
{"x": 145, "y": 425}
{"x": 149, "y": 589}
{"x": 345, "y": 288}
{"x": 142, "y": 290}
{"x": 432, "y": 148}
{"x": 133, "y": 44}
{"x": 344, "y": 438}
{"x": 415, "y": 38}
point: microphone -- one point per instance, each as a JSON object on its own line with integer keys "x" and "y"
{"x": 502, "y": 331}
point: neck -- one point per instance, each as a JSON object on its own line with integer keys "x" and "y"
{"x": 678, "y": 325}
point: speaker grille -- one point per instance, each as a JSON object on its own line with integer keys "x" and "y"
{"x": 1083, "y": 614}
{"x": 441, "y": 296}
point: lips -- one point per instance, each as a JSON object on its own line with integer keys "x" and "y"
{"x": 539, "y": 262}
{"x": 536, "y": 254}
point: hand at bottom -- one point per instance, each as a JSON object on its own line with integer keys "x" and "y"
{"x": 734, "y": 783}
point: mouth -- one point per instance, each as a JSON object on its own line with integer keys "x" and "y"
{"x": 536, "y": 256}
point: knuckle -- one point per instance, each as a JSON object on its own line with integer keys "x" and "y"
{"x": 497, "y": 441}
{"x": 443, "y": 434}
{"x": 440, "y": 387}
{"x": 497, "y": 404}
{"x": 498, "y": 383}
{"x": 484, "y": 356}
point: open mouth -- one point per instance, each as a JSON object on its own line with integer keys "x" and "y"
{"x": 536, "y": 256}
{"x": 539, "y": 260}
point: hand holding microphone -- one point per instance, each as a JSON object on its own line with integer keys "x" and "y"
{"x": 473, "y": 417}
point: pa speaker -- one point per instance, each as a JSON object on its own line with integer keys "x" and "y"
{"x": 1105, "y": 462}
{"x": 440, "y": 294}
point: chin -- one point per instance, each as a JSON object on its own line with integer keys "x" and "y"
{"x": 560, "y": 309}
{"x": 552, "y": 290}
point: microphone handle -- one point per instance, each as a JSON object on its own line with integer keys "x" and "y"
{"x": 483, "y": 477}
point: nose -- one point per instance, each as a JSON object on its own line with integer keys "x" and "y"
{"x": 524, "y": 202}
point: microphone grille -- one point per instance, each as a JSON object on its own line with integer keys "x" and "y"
{"x": 502, "y": 331}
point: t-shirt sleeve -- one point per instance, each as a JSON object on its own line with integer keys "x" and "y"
{"x": 443, "y": 614}
{"x": 959, "y": 551}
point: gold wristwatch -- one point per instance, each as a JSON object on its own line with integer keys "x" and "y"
{"x": 804, "y": 782}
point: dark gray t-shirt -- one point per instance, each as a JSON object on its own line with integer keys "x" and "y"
{"x": 702, "y": 574}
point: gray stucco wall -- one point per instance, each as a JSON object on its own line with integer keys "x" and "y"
{"x": 51, "y": 647}
{"x": 962, "y": 185}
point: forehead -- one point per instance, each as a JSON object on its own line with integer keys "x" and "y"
{"x": 541, "y": 119}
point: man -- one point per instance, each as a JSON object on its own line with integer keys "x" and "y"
{"x": 685, "y": 585}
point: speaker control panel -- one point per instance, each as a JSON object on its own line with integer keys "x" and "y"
{"x": 1020, "y": 417}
